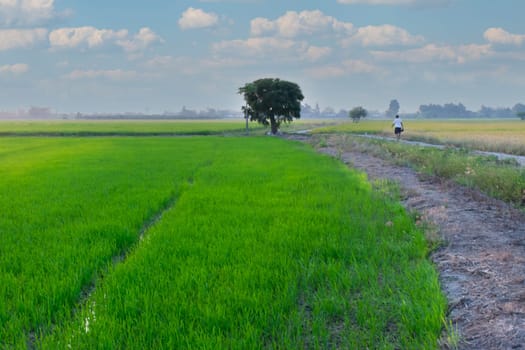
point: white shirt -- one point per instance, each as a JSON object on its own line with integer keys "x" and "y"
{"x": 398, "y": 123}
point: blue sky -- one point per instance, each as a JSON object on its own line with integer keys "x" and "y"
{"x": 153, "y": 56}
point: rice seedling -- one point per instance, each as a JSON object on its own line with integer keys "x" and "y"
{"x": 68, "y": 207}
{"x": 262, "y": 244}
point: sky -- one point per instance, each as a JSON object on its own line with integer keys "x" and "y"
{"x": 155, "y": 56}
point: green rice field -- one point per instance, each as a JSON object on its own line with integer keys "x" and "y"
{"x": 205, "y": 242}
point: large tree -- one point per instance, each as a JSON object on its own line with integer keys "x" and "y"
{"x": 357, "y": 113}
{"x": 271, "y": 101}
{"x": 393, "y": 109}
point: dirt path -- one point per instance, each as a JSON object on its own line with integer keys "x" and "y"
{"x": 482, "y": 261}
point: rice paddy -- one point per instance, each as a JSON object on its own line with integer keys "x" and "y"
{"x": 121, "y": 127}
{"x": 205, "y": 242}
{"x": 506, "y": 136}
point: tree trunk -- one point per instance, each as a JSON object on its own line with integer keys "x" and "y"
{"x": 274, "y": 126}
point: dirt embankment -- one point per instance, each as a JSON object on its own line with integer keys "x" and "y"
{"x": 482, "y": 260}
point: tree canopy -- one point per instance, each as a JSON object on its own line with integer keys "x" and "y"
{"x": 271, "y": 101}
{"x": 393, "y": 108}
{"x": 357, "y": 113}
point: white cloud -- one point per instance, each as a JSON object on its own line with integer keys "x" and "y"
{"x": 293, "y": 24}
{"x": 196, "y": 18}
{"x": 315, "y": 53}
{"x": 21, "y": 38}
{"x": 260, "y": 26}
{"x": 91, "y": 37}
{"x": 116, "y": 74}
{"x": 501, "y": 36}
{"x": 431, "y": 53}
{"x": 26, "y": 11}
{"x": 348, "y": 67}
{"x": 382, "y": 36}
{"x": 164, "y": 66}
{"x": 140, "y": 41}
{"x": 255, "y": 46}
{"x": 18, "y": 68}
{"x": 473, "y": 52}
{"x": 271, "y": 49}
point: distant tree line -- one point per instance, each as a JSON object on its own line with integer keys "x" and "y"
{"x": 184, "y": 113}
{"x": 451, "y": 110}
{"x": 308, "y": 111}
{"x": 447, "y": 110}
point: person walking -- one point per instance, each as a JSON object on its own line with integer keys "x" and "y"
{"x": 398, "y": 126}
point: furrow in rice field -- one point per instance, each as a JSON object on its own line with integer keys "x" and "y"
{"x": 269, "y": 245}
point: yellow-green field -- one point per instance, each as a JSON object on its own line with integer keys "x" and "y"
{"x": 122, "y": 127}
{"x": 506, "y": 136}
{"x": 145, "y": 127}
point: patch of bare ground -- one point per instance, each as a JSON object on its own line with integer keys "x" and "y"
{"x": 481, "y": 262}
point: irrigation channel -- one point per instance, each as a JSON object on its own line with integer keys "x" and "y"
{"x": 501, "y": 156}
{"x": 482, "y": 256}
